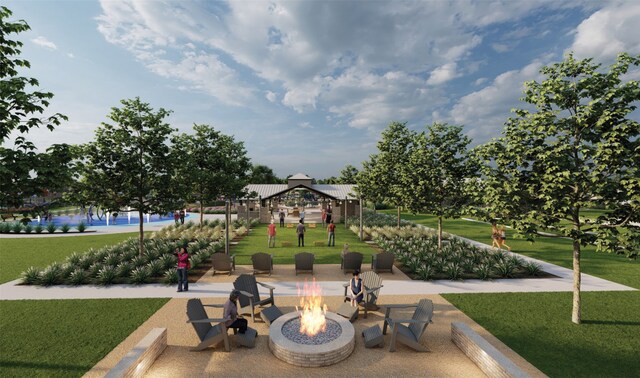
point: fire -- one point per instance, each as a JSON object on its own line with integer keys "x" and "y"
{"x": 312, "y": 311}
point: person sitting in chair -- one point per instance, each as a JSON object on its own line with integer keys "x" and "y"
{"x": 356, "y": 289}
{"x": 232, "y": 319}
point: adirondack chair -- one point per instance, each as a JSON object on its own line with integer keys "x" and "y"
{"x": 382, "y": 261}
{"x": 249, "y": 295}
{"x": 223, "y": 263}
{"x": 304, "y": 262}
{"x": 210, "y": 331}
{"x": 262, "y": 263}
{"x": 409, "y": 335}
{"x": 372, "y": 284}
{"x": 350, "y": 262}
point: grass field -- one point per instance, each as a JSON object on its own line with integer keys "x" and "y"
{"x": 65, "y": 338}
{"x": 18, "y": 254}
{"x": 557, "y": 251}
{"x": 538, "y": 327}
{"x": 256, "y": 241}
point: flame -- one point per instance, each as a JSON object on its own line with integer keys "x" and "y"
{"x": 312, "y": 320}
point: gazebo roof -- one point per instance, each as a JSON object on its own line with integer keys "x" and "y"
{"x": 333, "y": 191}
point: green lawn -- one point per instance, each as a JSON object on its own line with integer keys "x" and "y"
{"x": 18, "y": 254}
{"x": 257, "y": 242}
{"x": 65, "y": 338}
{"x": 557, "y": 251}
{"x": 538, "y": 327}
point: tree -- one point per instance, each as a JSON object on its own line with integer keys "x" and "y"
{"x": 23, "y": 171}
{"x": 348, "y": 174}
{"x": 439, "y": 172}
{"x": 577, "y": 149}
{"x": 213, "y": 164}
{"x": 381, "y": 176}
{"x": 129, "y": 163}
{"x": 261, "y": 174}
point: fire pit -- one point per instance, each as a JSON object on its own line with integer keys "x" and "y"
{"x": 312, "y": 336}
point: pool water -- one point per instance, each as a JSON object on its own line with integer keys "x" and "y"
{"x": 121, "y": 220}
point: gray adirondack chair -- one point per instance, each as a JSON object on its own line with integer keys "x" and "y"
{"x": 372, "y": 284}
{"x": 249, "y": 294}
{"x": 223, "y": 263}
{"x": 382, "y": 261}
{"x": 409, "y": 335}
{"x": 350, "y": 262}
{"x": 304, "y": 262}
{"x": 210, "y": 331}
{"x": 262, "y": 262}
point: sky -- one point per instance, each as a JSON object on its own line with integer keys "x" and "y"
{"x": 308, "y": 86}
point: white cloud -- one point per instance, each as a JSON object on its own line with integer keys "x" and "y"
{"x": 43, "y": 42}
{"x": 500, "y": 47}
{"x": 271, "y": 96}
{"x": 608, "y": 32}
{"x": 443, "y": 74}
{"x": 305, "y": 125}
{"x": 480, "y": 81}
{"x": 70, "y": 55}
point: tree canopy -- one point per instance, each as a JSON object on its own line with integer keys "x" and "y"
{"x": 578, "y": 149}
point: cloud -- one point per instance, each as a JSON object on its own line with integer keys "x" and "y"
{"x": 271, "y": 96}
{"x": 305, "y": 125}
{"x": 43, "y": 42}
{"x": 443, "y": 74}
{"x": 484, "y": 112}
{"x": 500, "y": 47}
{"x": 606, "y": 33}
{"x": 70, "y": 55}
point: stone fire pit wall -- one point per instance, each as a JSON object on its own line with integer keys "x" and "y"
{"x": 311, "y": 355}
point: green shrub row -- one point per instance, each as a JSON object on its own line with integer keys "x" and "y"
{"x": 18, "y": 227}
{"x": 371, "y": 219}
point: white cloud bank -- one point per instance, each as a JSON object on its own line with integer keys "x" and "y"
{"x": 43, "y": 42}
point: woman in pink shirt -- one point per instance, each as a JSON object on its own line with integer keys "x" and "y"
{"x": 183, "y": 267}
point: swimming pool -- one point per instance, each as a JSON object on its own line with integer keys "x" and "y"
{"x": 123, "y": 219}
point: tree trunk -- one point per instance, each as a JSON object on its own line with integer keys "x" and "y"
{"x": 439, "y": 234}
{"x": 361, "y": 219}
{"x": 576, "y": 315}
{"x": 141, "y": 245}
{"x": 227, "y": 219}
{"x": 201, "y": 213}
{"x": 398, "y": 216}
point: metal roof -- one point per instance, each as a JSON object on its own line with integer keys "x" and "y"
{"x": 300, "y": 176}
{"x": 335, "y": 191}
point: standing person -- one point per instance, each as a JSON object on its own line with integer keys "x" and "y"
{"x": 300, "y": 230}
{"x": 302, "y": 215}
{"x": 324, "y": 218}
{"x": 356, "y": 289}
{"x": 182, "y": 215}
{"x": 90, "y": 214}
{"x": 503, "y": 238}
{"x": 331, "y": 230}
{"x": 183, "y": 269}
{"x": 281, "y": 215}
{"x": 230, "y": 314}
{"x": 271, "y": 231}
{"x": 176, "y": 217}
{"x": 495, "y": 235}
{"x": 328, "y": 214}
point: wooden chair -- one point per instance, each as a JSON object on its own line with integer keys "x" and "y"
{"x": 210, "y": 331}
{"x": 262, "y": 262}
{"x": 382, "y": 261}
{"x": 372, "y": 285}
{"x": 304, "y": 262}
{"x": 409, "y": 335}
{"x": 350, "y": 262}
{"x": 223, "y": 263}
{"x": 249, "y": 294}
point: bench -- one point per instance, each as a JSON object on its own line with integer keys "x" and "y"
{"x": 319, "y": 243}
{"x": 142, "y": 356}
{"x": 6, "y": 216}
{"x": 489, "y": 359}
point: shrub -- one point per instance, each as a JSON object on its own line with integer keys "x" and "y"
{"x": 51, "y": 227}
{"x": 505, "y": 268}
{"x": 112, "y": 259}
{"x": 425, "y": 272}
{"x": 16, "y": 227}
{"x": 38, "y": 229}
{"x": 31, "y": 276}
{"x": 78, "y": 277}
{"x": 28, "y": 228}
{"x": 65, "y": 228}
{"x": 155, "y": 268}
{"x": 81, "y": 227}
{"x": 483, "y": 271}
{"x": 124, "y": 269}
{"x": 454, "y": 271}
{"x": 5, "y": 228}
{"x": 170, "y": 276}
{"x": 51, "y": 275}
{"x": 532, "y": 268}
{"x": 106, "y": 275}
{"x": 140, "y": 275}
{"x": 168, "y": 261}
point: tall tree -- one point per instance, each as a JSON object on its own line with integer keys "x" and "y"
{"x": 439, "y": 172}
{"x": 382, "y": 177}
{"x": 23, "y": 171}
{"x": 261, "y": 174}
{"x": 213, "y": 164}
{"x": 579, "y": 148}
{"x": 129, "y": 163}
{"x": 348, "y": 174}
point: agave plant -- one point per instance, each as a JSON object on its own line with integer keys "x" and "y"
{"x": 124, "y": 269}
{"x": 51, "y": 275}
{"x": 65, "y": 228}
{"x": 532, "y": 268}
{"x": 453, "y": 271}
{"x": 28, "y": 228}
{"x": 140, "y": 275}
{"x": 107, "y": 275}
{"x": 154, "y": 268}
{"x": 78, "y": 277}
{"x": 425, "y": 272}
{"x": 112, "y": 259}
{"x": 31, "y": 276}
{"x": 16, "y": 227}
{"x": 51, "y": 227}
{"x": 505, "y": 268}
{"x": 170, "y": 276}
{"x": 168, "y": 261}
{"x": 483, "y": 271}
